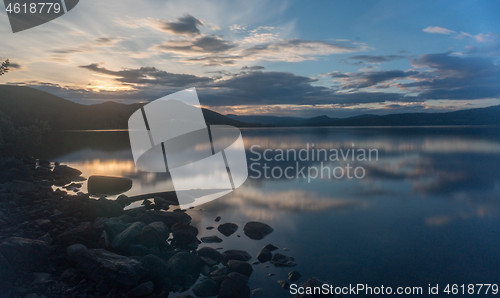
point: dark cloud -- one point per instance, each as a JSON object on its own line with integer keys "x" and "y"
{"x": 455, "y": 77}
{"x": 204, "y": 44}
{"x": 256, "y": 67}
{"x": 187, "y": 25}
{"x": 371, "y": 79}
{"x": 150, "y": 76}
{"x": 359, "y": 59}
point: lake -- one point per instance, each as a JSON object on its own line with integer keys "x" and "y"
{"x": 425, "y": 211}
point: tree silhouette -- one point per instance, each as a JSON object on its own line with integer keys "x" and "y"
{"x": 5, "y": 67}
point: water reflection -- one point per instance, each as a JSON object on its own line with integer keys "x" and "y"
{"x": 425, "y": 209}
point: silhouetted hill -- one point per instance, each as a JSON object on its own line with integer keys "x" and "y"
{"x": 25, "y": 105}
{"x": 479, "y": 116}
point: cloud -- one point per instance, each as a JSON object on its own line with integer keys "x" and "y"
{"x": 149, "y": 76}
{"x": 204, "y": 44}
{"x": 186, "y": 25}
{"x": 361, "y": 80}
{"x": 455, "y": 77}
{"x": 359, "y": 59}
{"x": 438, "y": 30}
{"x": 221, "y": 52}
{"x": 480, "y": 38}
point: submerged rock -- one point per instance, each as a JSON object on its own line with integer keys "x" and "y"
{"x": 264, "y": 255}
{"x": 294, "y": 275}
{"x": 257, "y": 230}
{"x": 227, "y": 229}
{"x": 280, "y": 260}
{"x": 234, "y": 254}
{"x": 211, "y": 239}
{"x": 108, "y": 185}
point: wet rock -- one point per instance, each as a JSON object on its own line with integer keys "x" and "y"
{"x": 240, "y": 267}
{"x": 264, "y": 255}
{"x": 184, "y": 269}
{"x": 211, "y": 239}
{"x": 102, "y": 266}
{"x": 257, "y": 292}
{"x": 234, "y": 254}
{"x": 235, "y": 285}
{"x": 270, "y": 247}
{"x": 294, "y": 275}
{"x": 114, "y": 226}
{"x": 161, "y": 203}
{"x": 217, "y": 219}
{"x": 184, "y": 235}
{"x": 219, "y": 274}
{"x": 82, "y": 233}
{"x": 227, "y": 229}
{"x": 156, "y": 269}
{"x": 128, "y": 236}
{"x": 5, "y": 269}
{"x": 280, "y": 260}
{"x": 142, "y": 290}
{"x": 107, "y": 185}
{"x": 40, "y": 278}
{"x": 70, "y": 276}
{"x": 154, "y": 234}
{"x": 257, "y": 230}
{"x": 65, "y": 171}
{"x": 169, "y": 218}
{"x": 206, "y": 288}
{"x": 210, "y": 228}
{"x": 284, "y": 284}
{"x": 25, "y": 254}
{"x": 211, "y": 253}
{"x": 75, "y": 250}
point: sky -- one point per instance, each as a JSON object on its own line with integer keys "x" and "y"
{"x": 285, "y": 58}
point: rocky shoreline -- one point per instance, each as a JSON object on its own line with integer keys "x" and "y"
{"x": 55, "y": 244}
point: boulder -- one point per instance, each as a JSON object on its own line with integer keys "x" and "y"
{"x": 102, "y": 266}
{"x": 211, "y": 239}
{"x": 184, "y": 235}
{"x": 294, "y": 275}
{"x": 240, "y": 267}
{"x": 234, "y": 254}
{"x": 128, "y": 236}
{"x": 142, "y": 290}
{"x": 156, "y": 269}
{"x": 108, "y": 185}
{"x": 264, "y": 255}
{"x": 227, "y": 229}
{"x": 280, "y": 260}
{"x": 184, "y": 269}
{"x": 257, "y": 230}
{"x": 206, "y": 288}
{"x": 235, "y": 285}
{"x": 63, "y": 171}
{"x": 154, "y": 234}
{"x": 169, "y": 218}
{"x": 24, "y": 254}
{"x": 210, "y": 253}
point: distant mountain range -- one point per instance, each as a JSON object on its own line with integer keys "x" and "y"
{"x": 24, "y": 105}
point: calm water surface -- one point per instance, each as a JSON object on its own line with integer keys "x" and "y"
{"x": 427, "y": 211}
